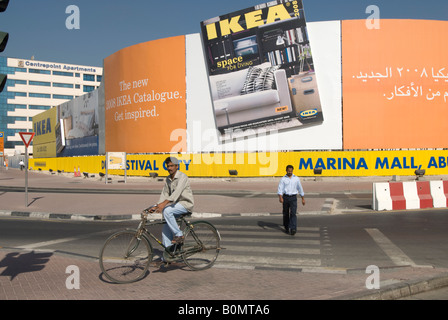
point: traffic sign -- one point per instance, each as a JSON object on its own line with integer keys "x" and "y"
{"x": 26, "y": 137}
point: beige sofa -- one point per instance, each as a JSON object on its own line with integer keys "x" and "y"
{"x": 232, "y": 108}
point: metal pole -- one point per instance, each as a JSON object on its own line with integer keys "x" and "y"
{"x": 26, "y": 176}
{"x": 106, "y": 166}
{"x": 125, "y": 171}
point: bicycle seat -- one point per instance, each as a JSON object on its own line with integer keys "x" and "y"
{"x": 183, "y": 215}
{"x": 187, "y": 214}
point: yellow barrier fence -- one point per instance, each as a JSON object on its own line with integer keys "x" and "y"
{"x": 332, "y": 163}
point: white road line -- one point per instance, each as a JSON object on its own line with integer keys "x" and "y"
{"x": 56, "y": 241}
{"x": 273, "y": 250}
{"x": 260, "y": 251}
{"x": 264, "y": 234}
{"x": 391, "y": 250}
{"x": 271, "y": 261}
{"x": 285, "y": 241}
{"x": 265, "y": 228}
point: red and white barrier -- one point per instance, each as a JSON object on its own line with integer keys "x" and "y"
{"x": 439, "y": 192}
{"x": 410, "y": 195}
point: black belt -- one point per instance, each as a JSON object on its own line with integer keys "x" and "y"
{"x": 290, "y": 195}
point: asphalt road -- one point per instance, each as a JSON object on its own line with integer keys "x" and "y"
{"x": 351, "y": 241}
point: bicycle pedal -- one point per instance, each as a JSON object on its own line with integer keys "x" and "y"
{"x": 175, "y": 248}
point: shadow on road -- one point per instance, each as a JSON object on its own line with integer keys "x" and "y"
{"x": 17, "y": 263}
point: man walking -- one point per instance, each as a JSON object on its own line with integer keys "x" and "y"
{"x": 288, "y": 188}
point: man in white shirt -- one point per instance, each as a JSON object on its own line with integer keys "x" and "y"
{"x": 288, "y": 188}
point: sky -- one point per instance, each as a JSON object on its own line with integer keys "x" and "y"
{"x": 38, "y": 28}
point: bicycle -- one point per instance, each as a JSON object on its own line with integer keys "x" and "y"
{"x": 126, "y": 254}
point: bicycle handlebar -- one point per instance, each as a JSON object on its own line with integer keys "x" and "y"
{"x": 149, "y": 210}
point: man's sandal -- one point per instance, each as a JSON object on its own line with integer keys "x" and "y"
{"x": 178, "y": 240}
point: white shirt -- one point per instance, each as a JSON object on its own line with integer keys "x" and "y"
{"x": 290, "y": 186}
{"x": 178, "y": 190}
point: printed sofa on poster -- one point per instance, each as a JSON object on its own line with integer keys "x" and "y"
{"x": 233, "y": 108}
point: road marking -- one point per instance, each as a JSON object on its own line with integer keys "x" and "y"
{"x": 56, "y": 241}
{"x": 5, "y": 213}
{"x": 268, "y": 234}
{"x": 272, "y": 249}
{"x": 270, "y": 261}
{"x": 248, "y": 247}
{"x": 285, "y": 241}
{"x": 391, "y": 250}
{"x": 265, "y": 228}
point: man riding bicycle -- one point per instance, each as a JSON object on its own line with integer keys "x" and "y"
{"x": 127, "y": 254}
{"x": 176, "y": 199}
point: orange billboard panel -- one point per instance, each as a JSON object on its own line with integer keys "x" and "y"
{"x": 395, "y": 84}
{"x": 145, "y": 95}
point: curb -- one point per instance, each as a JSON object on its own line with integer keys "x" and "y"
{"x": 402, "y": 289}
{"x": 118, "y": 217}
{"x": 240, "y": 193}
{"x": 81, "y": 217}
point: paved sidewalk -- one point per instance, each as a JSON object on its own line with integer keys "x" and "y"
{"x": 219, "y": 196}
{"x": 49, "y": 282}
{"x": 21, "y": 278}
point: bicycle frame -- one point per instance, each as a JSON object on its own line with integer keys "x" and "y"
{"x": 199, "y": 250}
{"x": 143, "y": 231}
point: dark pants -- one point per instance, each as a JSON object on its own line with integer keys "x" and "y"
{"x": 289, "y": 212}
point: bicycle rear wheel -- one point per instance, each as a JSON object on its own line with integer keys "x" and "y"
{"x": 124, "y": 258}
{"x": 201, "y": 245}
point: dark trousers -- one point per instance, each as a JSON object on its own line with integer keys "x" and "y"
{"x": 290, "y": 212}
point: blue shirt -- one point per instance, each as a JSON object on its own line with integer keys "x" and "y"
{"x": 290, "y": 186}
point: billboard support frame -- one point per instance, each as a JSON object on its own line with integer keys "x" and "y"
{"x": 115, "y": 161}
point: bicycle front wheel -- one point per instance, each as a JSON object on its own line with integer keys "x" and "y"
{"x": 124, "y": 258}
{"x": 201, "y": 245}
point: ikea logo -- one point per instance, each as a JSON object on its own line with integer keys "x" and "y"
{"x": 308, "y": 113}
{"x": 42, "y": 127}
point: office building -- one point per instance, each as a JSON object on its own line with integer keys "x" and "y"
{"x": 35, "y": 86}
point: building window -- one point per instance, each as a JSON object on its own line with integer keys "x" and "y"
{"x": 18, "y": 106}
{"x": 62, "y": 85}
{"x": 35, "y": 107}
{"x": 12, "y": 95}
{"x": 40, "y": 83}
{"x": 99, "y": 78}
{"x": 62, "y": 73}
{"x": 77, "y": 75}
{"x": 88, "y": 88}
{"x": 77, "y": 86}
{"x": 62, "y": 96}
{"x": 12, "y": 82}
{"x": 15, "y": 131}
{"x": 39, "y": 95}
{"x": 39, "y": 71}
{"x": 17, "y": 94}
{"x": 89, "y": 77}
